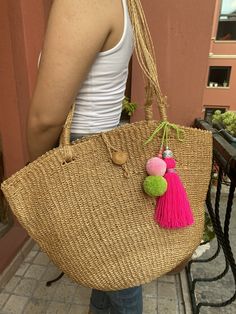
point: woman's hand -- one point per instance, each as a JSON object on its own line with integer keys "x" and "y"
{"x": 76, "y": 32}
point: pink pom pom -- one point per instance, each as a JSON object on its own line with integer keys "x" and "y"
{"x": 156, "y": 167}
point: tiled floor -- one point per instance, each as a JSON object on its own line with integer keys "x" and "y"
{"x": 223, "y": 289}
{"x": 27, "y": 293}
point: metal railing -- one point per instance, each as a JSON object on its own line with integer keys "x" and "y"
{"x": 224, "y": 154}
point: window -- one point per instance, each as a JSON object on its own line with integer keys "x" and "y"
{"x": 227, "y": 21}
{"x": 219, "y": 76}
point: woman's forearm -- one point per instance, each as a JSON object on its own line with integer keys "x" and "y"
{"x": 67, "y": 56}
{"x": 41, "y": 139}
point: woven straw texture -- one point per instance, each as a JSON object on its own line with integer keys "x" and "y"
{"x": 92, "y": 217}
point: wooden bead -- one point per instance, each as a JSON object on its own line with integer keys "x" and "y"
{"x": 119, "y": 158}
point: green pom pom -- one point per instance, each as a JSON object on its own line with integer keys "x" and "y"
{"x": 155, "y": 185}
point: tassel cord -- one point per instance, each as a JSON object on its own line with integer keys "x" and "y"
{"x": 157, "y": 130}
{"x": 165, "y": 126}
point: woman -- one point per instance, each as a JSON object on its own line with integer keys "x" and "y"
{"x": 86, "y": 52}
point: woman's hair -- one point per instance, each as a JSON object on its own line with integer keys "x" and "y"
{"x": 145, "y": 53}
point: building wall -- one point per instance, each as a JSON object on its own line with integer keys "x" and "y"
{"x": 22, "y": 25}
{"x": 221, "y": 96}
{"x": 221, "y": 53}
{"x": 181, "y": 32}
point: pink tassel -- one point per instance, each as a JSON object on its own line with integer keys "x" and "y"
{"x": 173, "y": 208}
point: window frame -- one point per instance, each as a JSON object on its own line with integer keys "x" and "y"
{"x": 215, "y": 67}
{"x": 230, "y": 15}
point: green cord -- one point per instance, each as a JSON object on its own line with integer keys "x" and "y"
{"x": 163, "y": 137}
{"x": 166, "y": 126}
{"x": 159, "y": 127}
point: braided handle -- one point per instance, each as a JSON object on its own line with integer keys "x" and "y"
{"x": 65, "y": 134}
{"x": 162, "y": 105}
{"x": 145, "y": 53}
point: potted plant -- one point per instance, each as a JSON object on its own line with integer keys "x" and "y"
{"x": 226, "y": 124}
{"x": 128, "y": 109}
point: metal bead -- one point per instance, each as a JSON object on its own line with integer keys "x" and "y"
{"x": 167, "y": 153}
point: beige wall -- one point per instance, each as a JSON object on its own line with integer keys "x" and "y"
{"x": 181, "y": 32}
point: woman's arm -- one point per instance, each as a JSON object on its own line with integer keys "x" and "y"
{"x": 76, "y": 32}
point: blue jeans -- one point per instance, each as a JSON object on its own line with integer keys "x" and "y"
{"x": 127, "y": 301}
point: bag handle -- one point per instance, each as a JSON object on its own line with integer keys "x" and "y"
{"x": 146, "y": 57}
{"x": 65, "y": 134}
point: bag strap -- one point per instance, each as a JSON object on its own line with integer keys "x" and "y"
{"x": 65, "y": 134}
{"x": 145, "y": 53}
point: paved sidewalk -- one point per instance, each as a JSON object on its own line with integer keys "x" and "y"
{"x": 223, "y": 289}
{"x": 27, "y": 293}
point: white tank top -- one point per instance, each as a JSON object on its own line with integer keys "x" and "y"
{"x": 99, "y": 101}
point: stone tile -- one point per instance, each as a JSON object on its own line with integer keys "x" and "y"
{"x": 25, "y": 287}
{"x": 41, "y": 259}
{"x": 150, "y": 306}
{"x": 22, "y": 269}
{"x": 229, "y": 309}
{"x": 51, "y": 273}
{"x": 36, "y": 306}
{"x": 36, "y": 247}
{"x": 35, "y": 272}
{"x": 58, "y": 308}
{"x": 220, "y": 290}
{"x": 78, "y": 309}
{"x": 168, "y": 306}
{"x": 167, "y": 278}
{"x": 15, "y": 305}
{"x": 12, "y": 283}
{"x": 223, "y": 289}
{"x": 185, "y": 296}
{"x": 64, "y": 293}
{"x": 150, "y": 290}
{"x": 51, "y": 263}
{"x": 182, "y": 306}
{"x": 67, "y": 281}
{"x": 3, "y": 298}
{"x": 82, "y": 296}
{"x": 43, "y": 292}
{"x": 29, "y": 258}
{"x": 167, "y": 290}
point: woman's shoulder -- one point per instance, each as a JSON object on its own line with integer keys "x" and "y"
{"x": 96, "y": 12}
{"x": 83, "y": 13}
{"x": 94, "y": 5}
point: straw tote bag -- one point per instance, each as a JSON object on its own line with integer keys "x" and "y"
{"x": 92, "y": 217}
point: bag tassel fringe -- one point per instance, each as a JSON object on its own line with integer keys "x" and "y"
{"x": 172, "y": 208}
